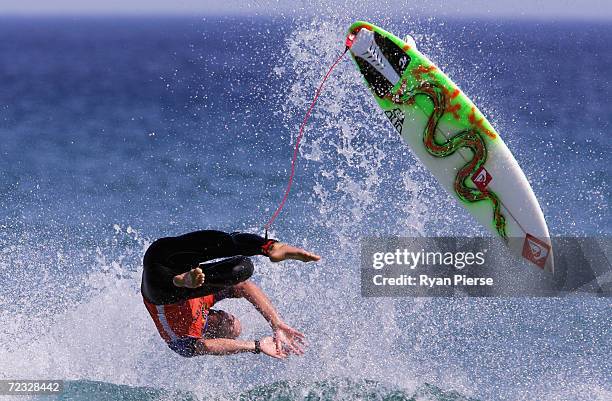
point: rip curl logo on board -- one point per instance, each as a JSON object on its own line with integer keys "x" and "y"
{"x": 396, "y": 116}
{"x": 481, "y": 178}
{"x": 535, "y": 250}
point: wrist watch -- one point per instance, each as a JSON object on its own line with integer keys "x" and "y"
{"x": 257, "y": 349}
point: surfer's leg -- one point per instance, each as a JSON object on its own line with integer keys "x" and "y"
{"x": 220, "y": 275}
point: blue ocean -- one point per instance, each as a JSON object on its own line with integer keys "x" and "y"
{"x": 117, "y": 131}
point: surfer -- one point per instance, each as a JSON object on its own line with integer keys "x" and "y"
{"x": 180, "y": 284}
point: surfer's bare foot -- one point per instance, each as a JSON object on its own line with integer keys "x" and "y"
{"x": 281, "y": 251}
{"x": 194, "y": 278}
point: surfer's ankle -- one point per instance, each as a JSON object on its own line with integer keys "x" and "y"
{"x": 276, "y": 251}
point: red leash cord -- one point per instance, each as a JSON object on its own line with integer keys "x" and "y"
{"x": 297, "y": 143}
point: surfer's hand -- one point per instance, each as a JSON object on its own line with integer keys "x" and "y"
{"x": 288, "y": 339}
{"x": 191, "y": 279}
{"x": 268, "y": 347}
{"x": 281, "y": 251}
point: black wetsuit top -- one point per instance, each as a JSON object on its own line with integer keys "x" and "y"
{"x": 168, "y": 257}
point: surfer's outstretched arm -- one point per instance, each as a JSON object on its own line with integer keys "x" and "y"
{"x": 286, "y": 338}
{"x": 225, "y": 346}
{"x": 249, "y": 291}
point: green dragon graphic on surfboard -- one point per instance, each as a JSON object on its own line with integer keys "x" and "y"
{"x": 453, "y": 139}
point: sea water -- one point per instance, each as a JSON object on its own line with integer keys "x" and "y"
{"x": 117, "y": 131}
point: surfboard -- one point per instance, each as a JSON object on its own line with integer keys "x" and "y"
{"x": 453, "y": 139}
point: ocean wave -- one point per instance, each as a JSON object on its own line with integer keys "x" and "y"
{"x": 337, "y": 389}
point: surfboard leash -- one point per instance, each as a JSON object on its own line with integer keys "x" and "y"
{"x": 348, "y": 44}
